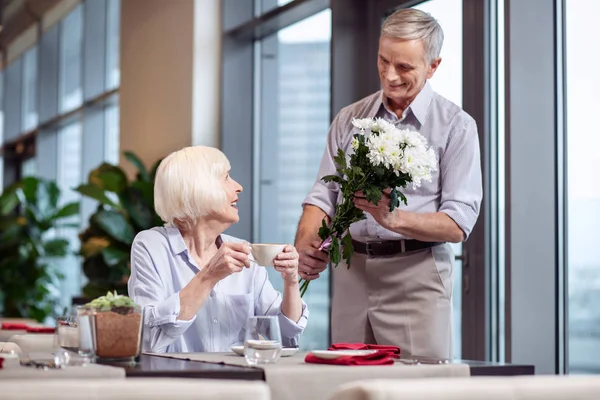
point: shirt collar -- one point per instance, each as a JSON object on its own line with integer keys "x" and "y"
{"x": 418, "y": 107}
{"x": 175, "y": 240}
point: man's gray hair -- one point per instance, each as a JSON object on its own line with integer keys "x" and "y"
{"x": 413, "y": 24}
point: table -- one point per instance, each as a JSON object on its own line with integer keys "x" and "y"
{"x": 161, "y": 366}
{"x": 291, "y": 378}
{"x": 156, "y": 366}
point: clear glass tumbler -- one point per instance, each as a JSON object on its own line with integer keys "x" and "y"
{"x": 262, "y": 343}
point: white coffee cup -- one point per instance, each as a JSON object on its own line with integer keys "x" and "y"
{"x": 264, "y": 253}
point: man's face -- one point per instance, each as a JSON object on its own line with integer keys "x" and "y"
{"x": 403, "y": 68}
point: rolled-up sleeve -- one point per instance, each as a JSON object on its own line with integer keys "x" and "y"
{"x": 324, "y": 195}
{"x": 161, "y": 309}
{"x": 460, "y": 172}
{"x": 268, "y": 302}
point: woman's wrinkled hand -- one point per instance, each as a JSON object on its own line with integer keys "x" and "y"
{"x": 229, "y": 259}
{"x": 286, "y": 263}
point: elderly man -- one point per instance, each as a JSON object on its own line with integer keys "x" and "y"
{"x": 398, "y": 289}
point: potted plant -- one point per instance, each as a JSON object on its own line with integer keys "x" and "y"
{"x": 117, "y": 328}
{"x": 31, "y": 217}
{"x": 124, "y": 208}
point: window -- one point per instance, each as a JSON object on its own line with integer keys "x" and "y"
{"x": 47, "y": 83}
{"x": 71, "y": 36}
{"x": 583, "y": 192}
{"x": 29, "y": 94}
{"x": 111, "y": 123}
{"x": 69, "y": 177}
{"x": 447, "y": 81}
{"x": 294, "y": 124}
{"x": 113, "y": 72}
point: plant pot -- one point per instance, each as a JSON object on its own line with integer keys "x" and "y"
{"x": 118, "y": 333}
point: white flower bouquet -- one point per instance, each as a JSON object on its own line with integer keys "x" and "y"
{"x": 384, "y": 157}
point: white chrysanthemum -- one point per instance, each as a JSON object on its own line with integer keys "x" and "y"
{"x": 412, "y": 138}
{"x": 355, "y": 144}
{"x": 419, "y": 163}
{"x": 383, "y": 126}
{"x": 362, "y": 123}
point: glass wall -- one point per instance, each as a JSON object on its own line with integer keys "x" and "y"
{"x": 448, "y": 82}
{"x": 294, "y": 121}
{"x": 48, "y": 81}
{"x": 70, "y": 67}
{"x": 583, "y": 190}
{"x": 29, "y": 112}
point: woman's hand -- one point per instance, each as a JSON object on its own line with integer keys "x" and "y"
{"x": 286, "y": 263}
{"x": 229, "y": 259}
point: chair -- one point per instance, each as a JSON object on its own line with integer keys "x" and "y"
{"x": 537, "y": 387}
{"x": 9, "y": 347}
{"x": 135, "y": 388}
{"x": 34, "y": 343}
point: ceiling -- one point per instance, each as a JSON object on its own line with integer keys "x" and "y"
{"x": 18, "y": 15}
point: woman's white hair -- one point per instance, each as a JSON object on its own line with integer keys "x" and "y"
{"x": 189, "y": 185}
{"x": 413, "y": 24}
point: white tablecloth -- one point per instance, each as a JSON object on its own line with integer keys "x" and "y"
{"x": 291, "y": 378}
{"x": 70, "y": 372}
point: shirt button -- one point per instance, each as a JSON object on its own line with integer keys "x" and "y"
{"x": 215, "y": 321}
{"x": 212, "y": 294}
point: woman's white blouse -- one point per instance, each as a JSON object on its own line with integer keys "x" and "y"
{"x": 161, "y": 267}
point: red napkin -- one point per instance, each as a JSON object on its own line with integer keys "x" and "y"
{"x": 379, "y": 358}
{"x": 40, "y": 329}
{"x": 14, "y": 326}
{"x": 393, "y": 351}
{"x": 1, "y": 362}
{"x": 19, "y": 326}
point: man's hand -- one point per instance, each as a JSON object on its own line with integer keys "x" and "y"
{"x": 380, "y": 212}
{"x": 312, "y": 261}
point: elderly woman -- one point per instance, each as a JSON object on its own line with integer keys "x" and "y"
{"x": 197, "y": 285}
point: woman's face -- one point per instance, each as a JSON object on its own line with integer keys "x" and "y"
{"x": 232, "y": 189}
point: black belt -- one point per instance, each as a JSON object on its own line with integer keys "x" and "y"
{"x": 390, "y": 247}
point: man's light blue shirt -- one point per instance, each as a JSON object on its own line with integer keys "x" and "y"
{"x": 161, "y": 266}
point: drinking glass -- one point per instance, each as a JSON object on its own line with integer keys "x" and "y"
{"x": 262, "y": 343}
{"x": 86, "y": 330}
{"x": 66, "y": 335}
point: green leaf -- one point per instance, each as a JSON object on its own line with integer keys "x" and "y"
{"x": 333, "y": 178}
{"x": 94, "y": 192}
{"x": 113, "y": 181}
{"x": 113, "y": 256}
{"x": 140, "y": 211}
{"x": 348, "y": 250}
{"x": 373, "y": 194}
{"x": 340, "y": 159}
{"x": 56, "y": 247}
{"x": 324, "y": 231}
{"x": 67, "y": 211}
{"x": 147, "y": 191}
{"x": 115, "y": 224}
{"x": 402, "y": 197}
{"x": 136, "y": 162}
{"x": 8, "y": 201}
{"x": 394, "y": 201}
{"x": 334, "y": 252}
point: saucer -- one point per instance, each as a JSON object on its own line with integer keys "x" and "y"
{"x": 285, "y": 352}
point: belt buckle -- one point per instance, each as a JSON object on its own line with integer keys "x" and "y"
{"x": 369, "y": 249}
